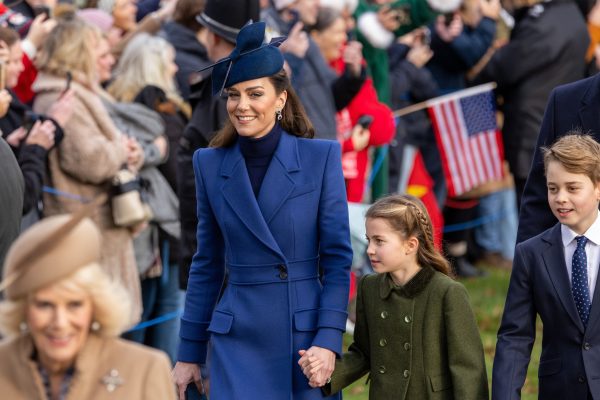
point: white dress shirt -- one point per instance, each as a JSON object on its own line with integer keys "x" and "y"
{"x": 592, "y": 251}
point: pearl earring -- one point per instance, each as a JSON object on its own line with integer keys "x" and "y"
{"x": 95, "y": 326}
{"x": 278, "y": 114}
{"x": 23, "y": 327}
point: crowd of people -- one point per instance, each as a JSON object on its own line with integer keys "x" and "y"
{"x": 194, "y": 162}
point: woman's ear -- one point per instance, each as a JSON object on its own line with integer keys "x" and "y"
{"x": 282, "y": 99}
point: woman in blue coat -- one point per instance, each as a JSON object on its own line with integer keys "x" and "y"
{"x": 272, "y": 213}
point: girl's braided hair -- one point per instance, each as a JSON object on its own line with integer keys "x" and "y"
{"x": 408, "y": 216}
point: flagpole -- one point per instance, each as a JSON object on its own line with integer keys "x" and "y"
{"x": 472, "y": 91}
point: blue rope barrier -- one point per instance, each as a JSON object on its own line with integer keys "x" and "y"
{"x": 377, "y": 164}
{"x": 474, "y": 222}
{"x": 158, "y": 320}
{"x": 71, "y": 196}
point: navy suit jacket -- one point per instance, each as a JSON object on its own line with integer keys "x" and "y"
{"x": 570, "y": 359}
{"x": 572, "y": 106}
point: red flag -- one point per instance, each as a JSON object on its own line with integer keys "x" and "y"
{"x": 469, "y": 142}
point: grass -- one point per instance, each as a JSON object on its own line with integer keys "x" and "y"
{"x": 487, "y": 298}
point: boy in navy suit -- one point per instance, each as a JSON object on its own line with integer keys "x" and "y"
{"x": 554, "y": 276}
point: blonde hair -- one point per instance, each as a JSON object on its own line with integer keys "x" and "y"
{"x": 110, "y": 302}
{"x": 69, "y": 48}
{"x": 144, "y": 62}
{"x": 577, "y": 153}
{"x": 408, "y": 216}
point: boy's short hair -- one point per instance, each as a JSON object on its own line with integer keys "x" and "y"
{"x": 578, "y": 153}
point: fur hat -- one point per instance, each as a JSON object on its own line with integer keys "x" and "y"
{"x": 250, "y": 59}
{"x": 444, "y": 6}
{"x": 50, "y": 251}
{"x": 227, "y": 17}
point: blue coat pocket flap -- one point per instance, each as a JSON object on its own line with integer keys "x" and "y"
{"x": 550, "y": 367}
{"x": 440, "y": 382}
{"x": 221, "y": 322}
{"x": 306, "y": 320}
{"x": 302, "y": 189}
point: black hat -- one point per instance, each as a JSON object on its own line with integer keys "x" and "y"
{"x": 227, "y": 17}
{"x": 250, "y": 59}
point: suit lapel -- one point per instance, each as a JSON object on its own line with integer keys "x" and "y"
{"x": 278, "y": 183}
{"x": 238, "y": 193}
{"x": 554, "y": 259}
{"x": 588, "y": 112}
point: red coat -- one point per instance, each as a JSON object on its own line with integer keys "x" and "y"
{"x": 382, "y": 130}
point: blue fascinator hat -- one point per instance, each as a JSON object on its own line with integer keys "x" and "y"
{"x": 250, "y": 59}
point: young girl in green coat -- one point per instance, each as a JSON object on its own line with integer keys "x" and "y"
{"x": 416, "y": 333}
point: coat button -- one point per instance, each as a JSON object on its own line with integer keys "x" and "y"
{"x": 581, "y": 379}
{"x": 407, "y": 319}
{"x": 406, "y": 346}
{"x": 382, "y": 369}
{"x": 283, "y": 272}
{"x": 587, "y": 346}
{"x": 406, "y": 373}
{"x": 384, "y": 314}
{"x": 382, "y": 342}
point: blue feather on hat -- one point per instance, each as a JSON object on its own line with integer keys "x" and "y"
{"x": 250, "y": 59}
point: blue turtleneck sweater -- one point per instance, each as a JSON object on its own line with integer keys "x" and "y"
{"x": 258, "y": 154}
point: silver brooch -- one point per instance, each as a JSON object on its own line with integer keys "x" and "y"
{"x": 112, "y": 380}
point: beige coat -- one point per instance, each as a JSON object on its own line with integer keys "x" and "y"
{"x": 130, "y": 370}
{"x": 83, "y": 164}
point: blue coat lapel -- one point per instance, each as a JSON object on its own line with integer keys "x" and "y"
{"x": 588, "y": 113}
{"x": 278, "y": 183}
{"x": 554, "y": 259}
{"x": 238, "y": 193}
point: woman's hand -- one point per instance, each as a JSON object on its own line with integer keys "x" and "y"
{"x": 185, "y": 373}
{"x": 310, "y": 364}
{"x": 449, "y": 32}
{"x": 353, "y": 57}
{"x": 360, "y": 137}
{"x": 135, "y": 154}
{"x": 389, "y": 18}
{"x": 42, "y": 134}
{"x": 324, "y": 364}
{"x": 39, "y": 29}
{"x": 15, "y": 137}
{"x": 296, "y": 42}
{"x": 62, "y": 109}
{"x": 5, "y": 99}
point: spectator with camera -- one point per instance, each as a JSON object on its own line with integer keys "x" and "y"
{"x": 30, "y": 135}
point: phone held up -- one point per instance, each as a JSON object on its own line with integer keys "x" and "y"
{"x": 365, "y": 121}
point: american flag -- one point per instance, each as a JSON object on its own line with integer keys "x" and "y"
{"x": 469, "y": 142}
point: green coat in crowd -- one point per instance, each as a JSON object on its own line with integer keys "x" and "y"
{"x": 419, "y": 341}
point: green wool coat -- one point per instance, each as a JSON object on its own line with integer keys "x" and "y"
{"x": 419, "y": 341}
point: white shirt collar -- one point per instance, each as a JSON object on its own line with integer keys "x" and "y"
{"x": 593, "y": 233}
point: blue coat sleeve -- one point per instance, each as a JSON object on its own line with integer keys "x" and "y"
{"x": 335, "y": 254}
{"x": 206, "y": 275}
{"x": 516, "y": 334}
{"x": 471, "y": 45}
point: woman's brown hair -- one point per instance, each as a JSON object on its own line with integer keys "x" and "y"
{"x": 408, "y": 216}
{"x": 294, "y": 119}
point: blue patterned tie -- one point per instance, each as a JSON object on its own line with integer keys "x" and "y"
{"x": 579, "y": 280}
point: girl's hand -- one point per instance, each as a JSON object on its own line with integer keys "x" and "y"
{"x": 448, "y": 32}
{"x": 185, "y": 373}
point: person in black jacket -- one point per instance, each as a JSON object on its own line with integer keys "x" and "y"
{"x": 222, "y": 19}
{"x": 183, "y": 33}
{"x": 537, "y": 58}
{"x": 29, "y": 135}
